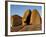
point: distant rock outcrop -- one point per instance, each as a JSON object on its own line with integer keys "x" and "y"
{"x": 16, "y": 20}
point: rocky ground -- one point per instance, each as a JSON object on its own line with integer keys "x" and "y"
{"x": 26, "y": 28}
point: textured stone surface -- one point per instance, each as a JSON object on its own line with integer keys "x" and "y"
{"x": 16, "y": 20}
{"x": 26, "y": 17}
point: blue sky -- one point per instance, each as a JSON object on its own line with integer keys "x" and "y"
{"x": 19, "y": 9}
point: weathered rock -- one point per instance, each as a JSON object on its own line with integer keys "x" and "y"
{"x": 16, "y": 20}
{"x": 35, "y": 17}
{"x": 24, "y": 23}
{"x": 31, "y": 17}
{"x": 36, "y": 20}
{"x": 26, "y": 17}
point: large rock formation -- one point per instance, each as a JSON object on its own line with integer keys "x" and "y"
{"x": 16, "y": 20}
{"x": 26, "y": 17}
{"x": 31, "y": 21}
{"x": 35, "y": 17}
{"x": 35, "y": 20}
